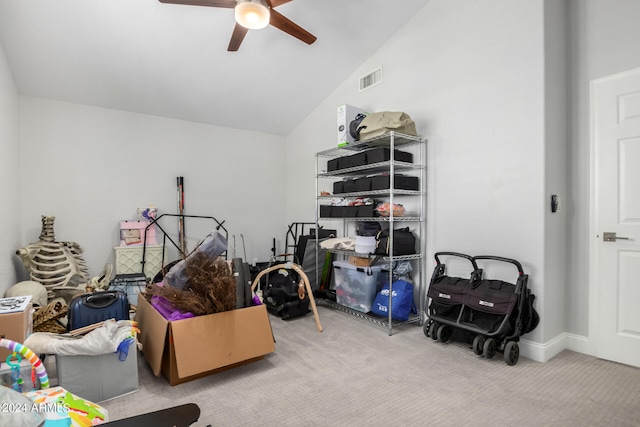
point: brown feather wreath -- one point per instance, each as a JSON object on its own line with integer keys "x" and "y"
{"x": 210, "y": 288}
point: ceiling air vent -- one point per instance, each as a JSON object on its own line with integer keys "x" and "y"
{"x": 371, "y": 79}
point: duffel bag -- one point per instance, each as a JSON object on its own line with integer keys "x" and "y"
{"x": 404, "y": 242}
{"x": 376, "y": 124}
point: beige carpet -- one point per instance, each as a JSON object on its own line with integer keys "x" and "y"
{"x": 354, "y": 374}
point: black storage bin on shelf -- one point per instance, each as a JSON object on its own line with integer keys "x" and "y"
{"x": 333, "y": 164}
{"x": 344, "y": 211}
{"x": 349, "y": 186}
{"x": 351, "y": 211}
{"x": 354, "y": 160}
{"x": 338, "y": 187}
{"x": 363, "y": 184}
{"x": 367, "y": 211}
{"x": 401, "y": 182}
{"x": 339, "y": 211}
{"x": 326, "y": 211}
{"x": 383, "y": 154}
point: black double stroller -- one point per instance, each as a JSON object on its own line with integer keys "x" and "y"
{"x": 491, "y": 314}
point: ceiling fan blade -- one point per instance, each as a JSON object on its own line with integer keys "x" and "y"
{"x": 289, "y": 27}
{"x": 211, "y": 3}
{"x": 276, "y": 3}
{"x": 236, "y": 38}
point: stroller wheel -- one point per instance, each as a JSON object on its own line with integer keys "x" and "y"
{"x": 444, "y": 333}
{"x": 489, "y": 348}
{"x": 478, "y": 345}
{"x": 511, "y": 353}
{"x": 433, "y": 331}
{"x": 426, "y": 326}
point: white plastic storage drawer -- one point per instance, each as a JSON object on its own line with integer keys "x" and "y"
{"x": 129, "y": 260}
{"x": 356, "y": 287}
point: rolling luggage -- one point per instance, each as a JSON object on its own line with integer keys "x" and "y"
{"x": 87, "y": 309}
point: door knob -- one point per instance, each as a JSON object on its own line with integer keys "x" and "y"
{"x": 611, "y": 237}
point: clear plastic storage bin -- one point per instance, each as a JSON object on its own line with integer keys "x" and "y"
{"x": 356, "y": 287}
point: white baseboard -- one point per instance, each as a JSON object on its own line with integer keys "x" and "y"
{"x": 545, "y": 351}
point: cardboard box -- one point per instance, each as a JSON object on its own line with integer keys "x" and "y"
{"x": 346, "y": 114}
{"x": 187, "y": 349}
{"x": 99, "y": 378}
{"x": 358, "y": 261}
{"x": 132, "y": 233}
{"x": 16, "y": 322}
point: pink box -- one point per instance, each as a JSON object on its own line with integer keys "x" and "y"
{"x": 132, "y": 233}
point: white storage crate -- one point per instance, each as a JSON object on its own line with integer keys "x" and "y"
{"x": 129, "y": 260}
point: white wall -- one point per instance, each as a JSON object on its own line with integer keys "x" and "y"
{"x": 471, "y": 74}
{"x": 555, "y": 167}
{"x": 92, "y": 167}
{"x": 9, "y": 176}
{"x": 604, "y": 40}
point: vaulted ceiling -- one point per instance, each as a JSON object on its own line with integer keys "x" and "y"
{"x": 171, "y": 60}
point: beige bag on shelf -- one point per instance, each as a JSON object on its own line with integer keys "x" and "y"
{"x": 376, "y": 124}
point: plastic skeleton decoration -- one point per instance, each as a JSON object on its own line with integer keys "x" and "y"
{"x": 54, "y": 264}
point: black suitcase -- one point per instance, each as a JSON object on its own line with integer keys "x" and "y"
{"x": 87, "y": 309}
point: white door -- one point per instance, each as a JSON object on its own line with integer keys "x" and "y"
{"x": 615, "y": 107}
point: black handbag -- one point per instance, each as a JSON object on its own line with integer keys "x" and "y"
{"x": 404, "y": 242}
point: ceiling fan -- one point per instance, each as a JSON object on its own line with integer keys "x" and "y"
{"x": 253, "y": 14}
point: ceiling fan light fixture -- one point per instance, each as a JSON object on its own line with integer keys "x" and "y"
{"x": 252, "y": 14}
